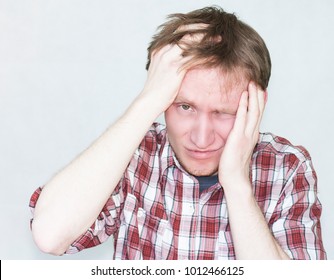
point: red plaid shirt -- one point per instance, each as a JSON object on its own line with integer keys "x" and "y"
{"x": 157, "y": 211}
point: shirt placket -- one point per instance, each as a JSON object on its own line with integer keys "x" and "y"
{"x": 189, "y": 222}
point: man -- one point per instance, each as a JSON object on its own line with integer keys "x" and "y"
{"x": 206, "y": 186}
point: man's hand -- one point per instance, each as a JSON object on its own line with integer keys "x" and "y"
{"x": 167, "y": 69}
{"x": 164, "y": 77}
{"x": 252, "y": 237}
{"x": 235, "y": 160}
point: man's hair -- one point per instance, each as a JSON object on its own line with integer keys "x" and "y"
{"x": 226, "y": 42}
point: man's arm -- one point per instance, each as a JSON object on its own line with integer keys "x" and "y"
{"x": 87, "y": 182}
{"x": 251, "y": 235}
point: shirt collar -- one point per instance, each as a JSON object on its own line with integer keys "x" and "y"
{"x": 167, "y": 155}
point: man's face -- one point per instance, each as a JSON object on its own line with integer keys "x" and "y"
{"x": 201, "y": 118}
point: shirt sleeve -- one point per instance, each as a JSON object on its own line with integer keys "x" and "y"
{"x": 296, "y": 220}
{"x": 105, "y": 225}
{"x": 108, "y": 221}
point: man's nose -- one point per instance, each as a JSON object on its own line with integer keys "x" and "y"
{"x": 202, "y": 133}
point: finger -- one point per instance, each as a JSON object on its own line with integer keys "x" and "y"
{"x": 170, "y": 53}
{"x": 189, "y": 39}
{"x": 175, "y": 55}
{"x": 192, "y": 32}
{"x": 241, "y": 116}
{"x": 262, "y": 103}
{"x": 170, "y": 50}
{"x": 253, "y": 109}
{"x": 192, "y": 26}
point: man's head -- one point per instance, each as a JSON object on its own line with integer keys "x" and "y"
{"x": 201, "y": 118}
{"x": 225, "y": 55}
{"x": 226, "y": 43}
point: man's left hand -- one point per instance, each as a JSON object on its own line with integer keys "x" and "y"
{"x": 235, "y": 160}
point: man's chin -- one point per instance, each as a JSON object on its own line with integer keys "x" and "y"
{"x": 201, "y": 172}
{"x": 198, "y": 170}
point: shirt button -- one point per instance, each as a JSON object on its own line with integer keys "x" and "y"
{"x": 140, "y": 214}
{"x": 188, "y": 209}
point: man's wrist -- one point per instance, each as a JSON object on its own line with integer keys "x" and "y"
{"x": 238, "y": 187}
{"x": 151, "y": 105}
{"x": 142, "y": 110}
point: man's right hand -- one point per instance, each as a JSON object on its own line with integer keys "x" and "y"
{"x": 164, "y": 77}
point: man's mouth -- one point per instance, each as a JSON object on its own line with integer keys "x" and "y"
{"x": 201, "y": 154}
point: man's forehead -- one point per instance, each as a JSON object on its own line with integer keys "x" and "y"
{"x": 217, "y": 80}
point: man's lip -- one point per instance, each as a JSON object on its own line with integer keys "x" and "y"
{"x": 200, "y": 154}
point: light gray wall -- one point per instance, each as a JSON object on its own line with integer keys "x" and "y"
{"x": 69, "y": 68}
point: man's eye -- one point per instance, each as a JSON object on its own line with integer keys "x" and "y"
{"x": 185, "y": 107}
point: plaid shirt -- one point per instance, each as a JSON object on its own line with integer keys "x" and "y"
{"x": 157, "y": 211}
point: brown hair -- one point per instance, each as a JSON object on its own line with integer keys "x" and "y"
{"x": 225, "y": 42}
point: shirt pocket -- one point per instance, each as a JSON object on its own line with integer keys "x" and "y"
{"x": 153, "y": 234}
{"x": 224, "y": 246}
{"x": 152, "y": 231}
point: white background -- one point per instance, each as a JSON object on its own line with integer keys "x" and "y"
{"x": 69, "y": 68}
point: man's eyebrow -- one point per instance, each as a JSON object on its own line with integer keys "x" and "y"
{"x": 179, "y": 99}
{"x": 219, "y": 109}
